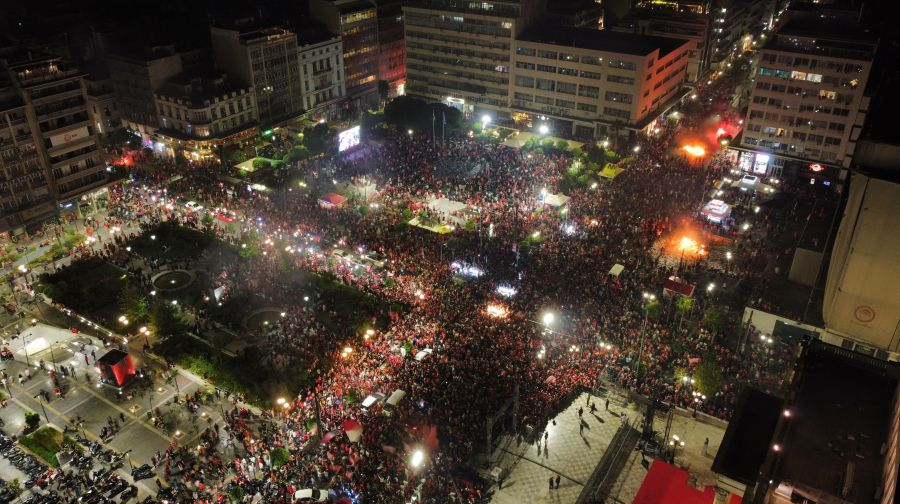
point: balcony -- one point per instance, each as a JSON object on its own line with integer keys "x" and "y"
{"x": 55, "y": 130}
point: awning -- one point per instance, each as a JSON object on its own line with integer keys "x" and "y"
{"x": 611, "y": 172}
{"x": 616, "y": 270}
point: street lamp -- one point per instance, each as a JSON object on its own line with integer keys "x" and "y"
{"x": 548, "y": 319}
{"x": 417, "y": 458}
{"x": 485, "y": 120}
{"x": 543, "y": 129}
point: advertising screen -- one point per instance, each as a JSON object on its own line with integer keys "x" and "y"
{"x": 348, "y": 139}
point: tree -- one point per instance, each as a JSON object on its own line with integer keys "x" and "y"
{"x": 279, "y": 457}
{"x": 261, "y": 164}
{"x": 596, "y": 154}
{"x": 383, "y": 90}
{"x": 562, "y": 145}
{"x": 708, "y": 377}
{"x": 683, "y": 305}
{"x": 237, "y": 157}
{"x": 133, "y": 304}
{"x": 32, "y": 420}
{"x": 319, "y": 138}
{"x": 715, "y": 319}
{"x": 652, "y": 309}
{"x": 14, "y": 487}
{"x": 165, "y": 321}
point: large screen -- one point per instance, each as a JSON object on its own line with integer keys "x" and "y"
{"x": 348, "y": 139}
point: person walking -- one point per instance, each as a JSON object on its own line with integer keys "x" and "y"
{"x": 557, "y": 481}
{"x": 551, "y": 482}
{"x": 705, "y": 447}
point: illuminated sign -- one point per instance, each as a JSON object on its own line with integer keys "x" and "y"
{"x": 816, "y": 167}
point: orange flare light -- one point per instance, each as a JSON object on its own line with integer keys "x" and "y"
{"x": 695, "y": 150}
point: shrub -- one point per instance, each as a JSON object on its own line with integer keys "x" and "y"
{"x": 279, "y": 457}
{"x": 261, "y": 164}
{"x": 32, "y": 420}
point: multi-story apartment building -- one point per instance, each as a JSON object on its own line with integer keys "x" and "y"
{"x": 591, "y": 83}
{"x": 461, "y": 53}
{"x": 357, "y": 23}
{"x": 136, "y": 75}
{"x": 201, "y": 113}
{"x": 321, "y": 60}
{"x": 50, "y": 148}
{"x": 102, "y": 103}
{"x": 577, "y": 13}
{"x": 264, "y": 59}
{"x": 808, "y": 102}
{"x": 391, "y": 45}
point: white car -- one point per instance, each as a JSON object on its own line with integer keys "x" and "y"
{"x": 310, "y": 495}
{"x": 372, "y": 400}
{"x": 193, "y": 206}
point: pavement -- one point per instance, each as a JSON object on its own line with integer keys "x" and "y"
{"x": 569, "y": 452}
{"x": 84, "y": 397}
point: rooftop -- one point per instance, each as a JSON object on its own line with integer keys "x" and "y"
{"x": 840, "y": 419}
{"x": 602, "y": 40}
{"x": 198, "y": 88}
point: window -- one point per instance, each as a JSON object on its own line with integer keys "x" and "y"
{"x": 619, "y": 79}
{"x": 524, "y": 97}
{"x": 586, "y": 107}
{"x": 590, "y": 75}
{"x": 618, "y": 97}
{"x": 543, "y": 99}
{"x": 588, "y": 91}
{"x": 546, "y": 68}
{"x": 614, "y": 112}
{"x": 526, "y": 66}
{"x": 546, "y": 84}
{"x": 565, "y": 103}
{"x": 547, "y": 54}
{"x": 565, "y": 87}
{"x": 568, "y": 71}
{"x": 524, "y": 81}
{"x": 624, "y": 65}
{"x": 525, "y": 51}
{"x": 590, "y": 60}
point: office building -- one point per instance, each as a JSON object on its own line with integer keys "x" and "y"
{"x": 357, "y": 24}
{"x": 321, "y": 60}
{"x": 136, "y": 75}
{"x": 263, "y": 59}
{"x": 50, "y": 160}
{"x": 391, "y": 45}
{"x": 667, "y": 22}
{"x": 200, "y": 113}
{"x": 808, "y": 103}
{"x": 460, "y": 53}
{"x": 591, "y": 83}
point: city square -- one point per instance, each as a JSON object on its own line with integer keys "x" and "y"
{"x": 405, "y": 298}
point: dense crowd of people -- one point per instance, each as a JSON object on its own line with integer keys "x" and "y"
{"x": 548, "y": 260}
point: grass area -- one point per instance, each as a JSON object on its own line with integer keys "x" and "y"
{"x": 171, "y": 241}
{"x": 45, "y": 443}
{"x": 85, "y": 286}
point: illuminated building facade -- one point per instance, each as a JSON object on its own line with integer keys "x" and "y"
{"x": 808, "y": 101}
{"x": 357, "y": 24}
{"x": 50, "y": 159}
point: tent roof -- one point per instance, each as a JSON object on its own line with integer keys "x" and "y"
{"x": 556, "y": 200}
{"x": 335, "y": 199}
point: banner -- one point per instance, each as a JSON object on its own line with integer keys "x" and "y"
{"x": 69, "y": 136}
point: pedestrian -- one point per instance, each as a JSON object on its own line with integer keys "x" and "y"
{"x": 607, "y": 404}
{"x": 705, "y": 446}
{"x": 580, "y": 412}
{"x": 581, "y": 427}
{"x": 557, "y": 481}
{"x": 551, "y": 482}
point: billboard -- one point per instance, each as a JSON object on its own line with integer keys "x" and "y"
{"x": 348, "y": 139}
{"x": 70, "y": 136}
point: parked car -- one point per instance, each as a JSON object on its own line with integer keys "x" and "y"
{"x": 371, "y": 400}
{"x": 193, "y": 206}
{"x": 310, "y": 495}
